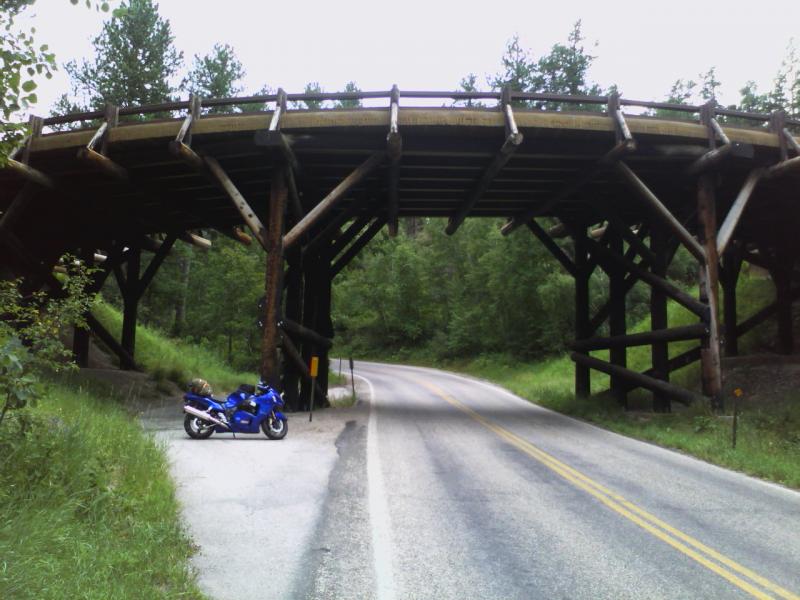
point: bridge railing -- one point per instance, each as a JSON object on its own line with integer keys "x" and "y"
{"x": 542, "y": 99}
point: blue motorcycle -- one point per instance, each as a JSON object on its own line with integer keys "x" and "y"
{"x": 246, "y": 410}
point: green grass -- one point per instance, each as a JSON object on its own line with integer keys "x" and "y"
{"x": 171, "y": 359}
{"x": 87, "y": 509}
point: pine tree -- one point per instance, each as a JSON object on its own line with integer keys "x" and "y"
{"x": 216, "y": 75}
{"x": 134, "y": 63}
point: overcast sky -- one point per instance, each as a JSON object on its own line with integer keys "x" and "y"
{"x": 642, "y": 46}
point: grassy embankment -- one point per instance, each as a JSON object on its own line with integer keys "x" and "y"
{"x": 87, "y": 507}
{"x": 768, "y": 440}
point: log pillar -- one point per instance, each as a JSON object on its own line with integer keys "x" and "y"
{"x": 310, "y": 303}
{"x": 711, "y": 367}
{"x": 616, "y": 321}
{"x": 293, "y": 311}
{"x": 659, "y": 351}
{"x": 80, "y": 335}
{"x": 130, "y": 297}
{"x": 782, "y": 278}
{"x": 324, "y": 324}
{"x": 729, "y": 278}
{"x": 582, "y": 318}
{"x": 273, "y": 287}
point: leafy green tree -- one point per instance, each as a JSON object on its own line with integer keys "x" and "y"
{"x": 29, "y": 333}
{"x": 468, "y": 84}
{"x": 135, "y": 60}
{"x": 313, "y": 87}
{"x": 349, "y": 87}
{"x": 518, "y": 69}
{"x": 216, "y": 75}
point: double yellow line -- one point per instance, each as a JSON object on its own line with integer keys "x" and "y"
{"x": 738, "y": 575}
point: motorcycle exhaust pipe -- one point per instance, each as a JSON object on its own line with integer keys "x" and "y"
{"x": 204, "y": 416}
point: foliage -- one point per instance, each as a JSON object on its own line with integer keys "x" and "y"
{"x": 22, "y": 60}
{"x": 216, "y": 75}
{"x": 350, "y": 87}
{"x": 87, "y": 509}
{"x": 134, "y": 62}
{"x": 29, "y": 333}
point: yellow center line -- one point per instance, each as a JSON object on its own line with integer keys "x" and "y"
{"x": 630, "y": 511}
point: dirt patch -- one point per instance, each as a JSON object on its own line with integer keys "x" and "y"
{"x": 764, "y": 379}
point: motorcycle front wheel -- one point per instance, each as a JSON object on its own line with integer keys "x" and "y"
{"x": 275, "y": 428}
{"x": 197, "y": 428}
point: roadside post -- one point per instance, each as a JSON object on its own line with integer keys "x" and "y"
{"x": 736, "y": 393}
{"x": 340, "y": 366}
{"x": 313, "y": 369}
{"x": 352, "y": 379}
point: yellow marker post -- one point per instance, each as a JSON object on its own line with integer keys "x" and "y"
{"x": 313, "y": 369}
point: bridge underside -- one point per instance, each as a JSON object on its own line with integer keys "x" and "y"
{"x": 314, "y": 187}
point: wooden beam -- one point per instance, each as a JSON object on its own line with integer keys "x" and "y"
{"x": 155, "y": 263}
{"x": 300, "y": 331}
{"x": 687, "y": 332}
{"x": 295, "y": 205}
{"x": 512, "y": 142}
{"x": 337, "y": 194}
{"x": 670, "y": 290}
{"x": 639, "y": 379}
{"x": 673, "y": 364}
{"x": 104, "y": 336}
{"x": 611, "y": 157}
{"x": 103, "y": 163}
{"x": 347, "y": 236}
{"x": 786, "y": 167}
{"x": 762, "y": 315}
{"x": 709, "y": 289}
{"x": 662, "y": 212}
{"x": 195, "y": 240}
{"x": 659, "y": 316}
{"x": 582, "y": 274}
{"x": 356, "y": 247}
{"x": 273, "y": 287}
{"x": 295, "y": 356}
{"x": 30, "y": 174}
{"x": 394, "y": 149}
{"x": 737, "y": 210}
{"x": 554, "y": 248}
{"x": 332, "y": 228}
{"x": 248, "y": 215}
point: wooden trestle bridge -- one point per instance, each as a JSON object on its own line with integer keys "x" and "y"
{"x": 314, "y": 186}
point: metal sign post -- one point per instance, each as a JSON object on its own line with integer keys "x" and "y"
{"x": 313, "y": 370}
{"x": 352, "y": 379}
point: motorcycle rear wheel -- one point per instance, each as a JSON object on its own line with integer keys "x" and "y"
{"x": 196, "y": 428}
{"x": 275, "y": 428}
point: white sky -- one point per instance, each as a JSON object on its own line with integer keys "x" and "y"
{"x": 642, "y": 46}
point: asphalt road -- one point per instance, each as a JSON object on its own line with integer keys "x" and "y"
{"x": 443, "y": 487}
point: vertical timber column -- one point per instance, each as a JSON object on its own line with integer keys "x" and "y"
{"x": 729, "y": 278}
{"x": 782, "y": 278}
{"x": 273, "y": 287}
{"x": 130, "y": 297}
{"x": 616, "y": 321}
{"x": 582, "y": 275}
{"x": 659, "y": 351}
{"x": 710, "y": 364}
{"x": 293, "y": 311}
{"x": 310, "y": 302}
{"x": 80, "y": 335}
{"x": 324, "y": 324}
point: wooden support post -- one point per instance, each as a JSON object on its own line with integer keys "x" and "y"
{"x": 729, "y": 277}
{"x": 80, "y": 335}
{"x": 582, "y": 275}
{"x": 676, "y": 334}
{"x": 293, "y": 312}
{"x": 394, "y": 148}
{"x": 311, "y": 278}
{"x": 659, "y": 351}
{"x": 130, "y": 297}
{"x": 617, "y": 320}
{"x": 709, "y": 291}
{"x": 324, "y": 325}
{"x": 782, "y": 278}
{"x": 270, "y": 366}
{"x": 728, "y": 227}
